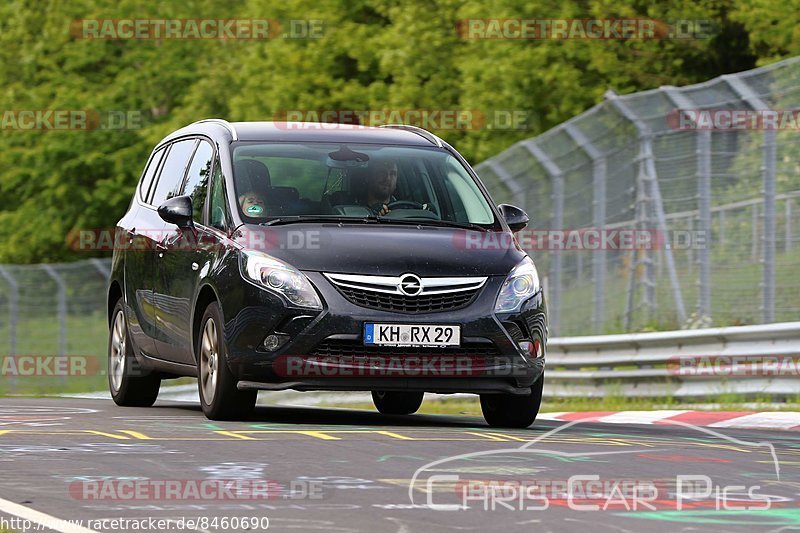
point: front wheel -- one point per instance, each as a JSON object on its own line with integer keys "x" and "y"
{"x": 397, "y": 403}
{"x": 219, "y": 397}
{"x": 513, "y": 410}
{"x": 127, "y": 381}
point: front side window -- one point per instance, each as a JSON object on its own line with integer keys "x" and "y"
{"x": 217, "y": 210}
{"x": 274, "y": 180}
{"x": 170, "y": 178}
{"x": 197, "y": 179}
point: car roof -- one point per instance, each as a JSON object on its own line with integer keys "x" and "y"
{"x": 305, "y": 132}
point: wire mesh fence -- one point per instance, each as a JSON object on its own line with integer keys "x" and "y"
{"x": 52, "y": 310}
{"x": 706, "y": 180}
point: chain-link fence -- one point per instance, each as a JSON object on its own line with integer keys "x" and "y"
{"x": 51, "y": 309}
{"x": 709, "y": 173}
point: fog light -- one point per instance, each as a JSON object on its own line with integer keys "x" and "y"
{"x": 273, "y": 342}
{"x": 534, "y": 349}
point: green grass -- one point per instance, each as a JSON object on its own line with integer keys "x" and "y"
{"x": 86, "y": 336}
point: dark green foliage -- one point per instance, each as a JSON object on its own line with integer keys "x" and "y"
{"x": 372, "y": 55}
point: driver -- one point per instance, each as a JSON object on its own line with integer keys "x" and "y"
{"x": 381, "y": 183}
{"x": 253, "y": 205}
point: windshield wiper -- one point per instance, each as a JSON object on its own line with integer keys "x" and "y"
{"x": 299, "y": 219}
{"x": 372, "y": 219}
{"x": 429, "y": 222}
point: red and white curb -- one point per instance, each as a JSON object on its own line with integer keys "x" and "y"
{"x": 741, "y": 419}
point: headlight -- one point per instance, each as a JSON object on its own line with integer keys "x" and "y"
{"x": 278, "y": 277}
{"x": 521, "y": 284}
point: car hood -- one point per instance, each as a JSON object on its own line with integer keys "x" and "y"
{"x": 383, "y": 249}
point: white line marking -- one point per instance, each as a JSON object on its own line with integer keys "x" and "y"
{"x": 776, "y": 420}
{"x": 49, "y": 522}
{"x": 637, "y": 417}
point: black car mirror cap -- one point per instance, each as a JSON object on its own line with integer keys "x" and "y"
{"x": 516, "y": 218}
{"x": 178, "y": 211}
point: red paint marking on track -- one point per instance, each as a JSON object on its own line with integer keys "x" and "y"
{"x": 702, "y": 418}
{"x": 588, "y": 416}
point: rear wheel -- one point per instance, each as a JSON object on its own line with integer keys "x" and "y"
{"x": 219, "y": 397}
{"x": 397, "y": 403}
{"x": 513, "y": 410}
{"x": 127, "y": 381}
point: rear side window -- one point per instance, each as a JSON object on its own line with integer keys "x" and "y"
{"x": 197, "y": 179}
{"x": 170, "y": 178}
{"x": 149, "y": 173}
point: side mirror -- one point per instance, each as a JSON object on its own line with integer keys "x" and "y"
{"x": 178, "y": 211}
{"x": 515, "y": 217}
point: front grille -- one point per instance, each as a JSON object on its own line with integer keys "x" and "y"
{"x": 408, "y": 304}
{"x": 345, "y": 348}
{"x": 384, "y": 292}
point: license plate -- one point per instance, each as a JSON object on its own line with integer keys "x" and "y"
{"x": 412, "y": 335}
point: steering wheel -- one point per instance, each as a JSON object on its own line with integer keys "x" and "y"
{"x": 404, "y": 204}
{"x": 409, "y": 204}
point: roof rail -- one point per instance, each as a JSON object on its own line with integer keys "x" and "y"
{"x": 419, "y": 131}
{"x": 221, "y": 122}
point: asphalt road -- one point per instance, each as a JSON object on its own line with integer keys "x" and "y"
{"x": 338, "y": 470}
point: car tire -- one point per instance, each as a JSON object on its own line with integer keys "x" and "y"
{"x": 219, "y": 397}
{"x": 513, "y": 410}
{"x": 397, "y": 403}
{"x": 130, "y": 385}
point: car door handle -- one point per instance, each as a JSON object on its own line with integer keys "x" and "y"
{"x": 167, "y": 242}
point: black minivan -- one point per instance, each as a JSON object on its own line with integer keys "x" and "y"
{"x": 307, "y": 256}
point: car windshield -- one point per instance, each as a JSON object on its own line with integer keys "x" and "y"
{"x": 276, "y": 182}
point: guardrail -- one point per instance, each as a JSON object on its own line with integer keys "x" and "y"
{"x": 751, "y": 361}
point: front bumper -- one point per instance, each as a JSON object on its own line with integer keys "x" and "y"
{"x": 325, "y": 350}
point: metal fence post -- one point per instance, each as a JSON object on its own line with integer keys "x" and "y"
{"x": 704, "y": 205}
{"x": 101, "y": 267}
{"x": 62, "y": 308}
{"x": 768, "y": 174}
{"x": 644, "y": 135}
{"x": 770, "y": 155}
{"x": 754, "y": 234}
{"x": 703, "y": 153}
{"x": 788, "y": 233}
{"x": 13, "y": 318}
{"x": 598, "y": 219}
{"x": 643, "y": 200}
{"x": 554, "y": 305}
